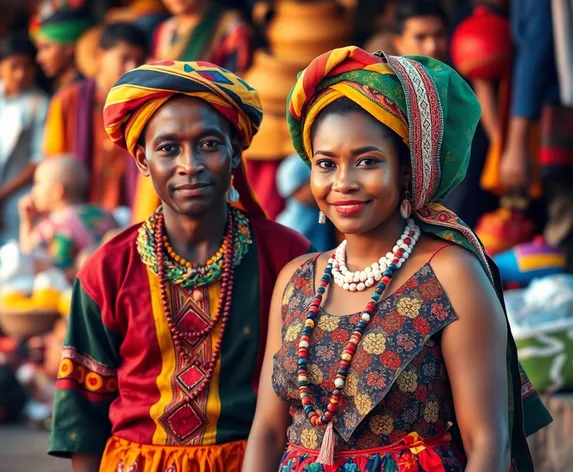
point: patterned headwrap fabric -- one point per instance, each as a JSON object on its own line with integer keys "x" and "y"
{"x": 63, "y": 25}
{"x": 139, "y": 93}
{"x": 422, "y": 100}
{"x": 435, "y": 112}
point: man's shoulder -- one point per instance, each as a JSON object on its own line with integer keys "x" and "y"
{"x": 111, "y": 260}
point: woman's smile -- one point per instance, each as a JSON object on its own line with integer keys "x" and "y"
{"x": 349, "y": 207}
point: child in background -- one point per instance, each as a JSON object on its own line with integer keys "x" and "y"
{"x": 23, "y": 109}
{"x": 301, "y": 212}
{"x": 55, "y": 218}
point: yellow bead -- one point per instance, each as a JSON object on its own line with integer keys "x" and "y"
{"x": 346, "y": 356}
{"x": 309, "y": 323}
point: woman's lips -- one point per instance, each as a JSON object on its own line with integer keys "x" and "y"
{"x": 349, "y": 208}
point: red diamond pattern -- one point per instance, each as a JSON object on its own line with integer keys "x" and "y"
{"x": 191, "y": 378}
{"x": 184, "y": 421}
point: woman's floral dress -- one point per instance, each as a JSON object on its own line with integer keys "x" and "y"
{"x": 397, "y": 384}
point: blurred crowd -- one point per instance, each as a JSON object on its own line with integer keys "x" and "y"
{"x": 65, "y": 188}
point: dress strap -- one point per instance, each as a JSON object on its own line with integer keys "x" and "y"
{"x": 439, "y": 249}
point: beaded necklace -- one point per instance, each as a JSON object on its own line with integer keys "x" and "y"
{"x": 316, "y": 417}
{"x": 223, "y": 310}
{"x": 178, "y": 270}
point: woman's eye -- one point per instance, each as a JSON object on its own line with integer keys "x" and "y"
{"x": 368, "y": 161}
{"x": 210, "y": 144}
{"x": 325, "y": 164}
{"x": 169, "y": 148}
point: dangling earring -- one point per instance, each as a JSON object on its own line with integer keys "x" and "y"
{"x": 232, "y": 194}
{"x": 321, "y": 218}
{"x": 406, "y": 206}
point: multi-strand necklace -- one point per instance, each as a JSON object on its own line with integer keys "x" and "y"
{"x": 177, "y": 269}
{"x": 363, "y": 279}
{"x": 337, "y": 265}
{"x": 156, "y": 254}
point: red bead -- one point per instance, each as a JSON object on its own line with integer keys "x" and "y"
{"x": 331, "y": 407}
{"x": 385, "y": 280}
{"x": 351, "y": 348}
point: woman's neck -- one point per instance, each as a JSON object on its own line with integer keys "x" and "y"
{"x": 195, "y": 239}
{"x": 366, "y": 248}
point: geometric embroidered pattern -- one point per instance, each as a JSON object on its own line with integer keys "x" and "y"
{"x": 184, "y": 421}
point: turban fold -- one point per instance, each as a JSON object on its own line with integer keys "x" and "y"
{"x": 422, "y": 100}
{"x": 63, "y": 26}
{"x": 139, "y": 93}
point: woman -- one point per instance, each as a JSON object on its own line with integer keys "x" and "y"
{"x": 23, "y": 109}
{"x": 168, "y": 320}
{"x": 398, "y": 366}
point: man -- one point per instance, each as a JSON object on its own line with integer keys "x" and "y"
{"x": 168, "y": 320}
{"x": 421, "y": 29}
{"x": 55, "y": 32}
{"x": 200, "y": 30}
{"x": 75, "y": 121}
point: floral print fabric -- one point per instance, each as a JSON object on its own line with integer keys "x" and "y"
{"x": 397, "y": 382}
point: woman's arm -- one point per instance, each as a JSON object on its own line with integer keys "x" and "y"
{"x": 267, "y": 439}
{"x": 474, "y": 349}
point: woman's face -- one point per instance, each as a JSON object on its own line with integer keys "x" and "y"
{"x": 189, "y": 155}
{"x": 356, "y": 176}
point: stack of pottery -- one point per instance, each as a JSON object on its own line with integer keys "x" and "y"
{"x": 297, "y": 32}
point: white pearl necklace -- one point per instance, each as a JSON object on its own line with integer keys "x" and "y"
{"x": 362, "y": 279}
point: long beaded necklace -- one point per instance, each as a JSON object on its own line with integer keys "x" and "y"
{"x": 316, "y": 417}
{"x": 182, "y": 272}
{"x": 223, "y": 310}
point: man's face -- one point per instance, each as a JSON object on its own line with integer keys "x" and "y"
{"x": 423, "y": 36}
{"x": 115, "y": 62}
{"x": 54, "y": 58}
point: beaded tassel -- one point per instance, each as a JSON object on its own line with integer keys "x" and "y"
{"x": 326, "y": 455}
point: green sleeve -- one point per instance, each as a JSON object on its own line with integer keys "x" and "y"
{"x": 62, "y": 251}
{"x": 87, "y": 381}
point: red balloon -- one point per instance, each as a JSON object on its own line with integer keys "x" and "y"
{"x": 481, "y": 45}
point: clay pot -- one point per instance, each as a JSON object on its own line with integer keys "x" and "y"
{"x": 482, "y": 46}
{"x": 23, "y": 325}
{"x": 300, "y": 31}
{"x": 273, "y": 79}
{"x": 272, "y": 142}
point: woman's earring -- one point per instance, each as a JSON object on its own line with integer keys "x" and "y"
{"x": 406, "y": 206}
{"x": 232, "y": 194}
{"x": 321, "y": 218}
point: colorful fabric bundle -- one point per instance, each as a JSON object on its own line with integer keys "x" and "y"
{"x": 62, "y": 24}
{"x": 525, "y": 262}
{"x": 141, "y": 92}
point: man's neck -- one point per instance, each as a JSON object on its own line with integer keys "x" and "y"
{"x": 196, "y": 239}
{"x": 66, "y": 77}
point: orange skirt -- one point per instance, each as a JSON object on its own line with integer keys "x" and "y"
{"x": 125, "y": 456}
